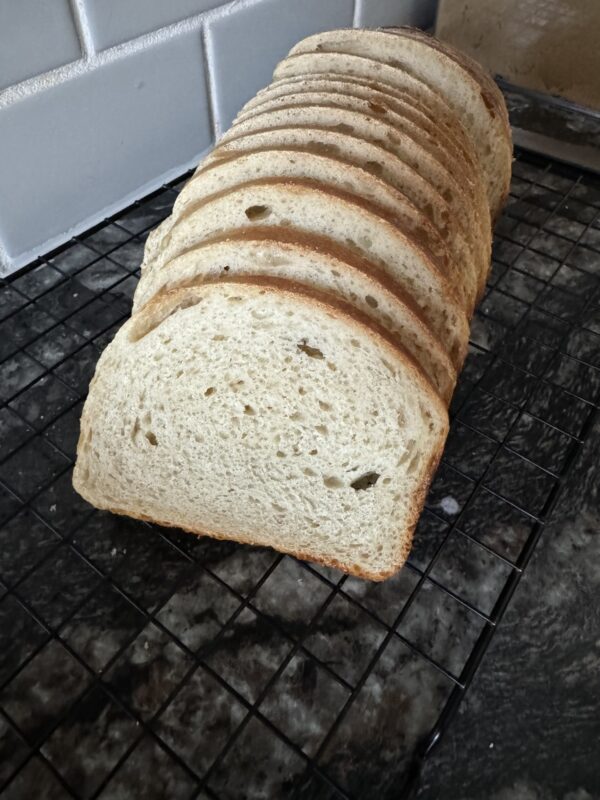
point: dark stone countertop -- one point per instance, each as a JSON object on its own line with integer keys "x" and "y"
{"x": 529, "y": 726}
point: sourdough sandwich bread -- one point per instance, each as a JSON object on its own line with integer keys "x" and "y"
{"x": 303, "y": 313}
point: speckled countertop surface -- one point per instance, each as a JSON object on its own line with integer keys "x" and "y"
{"x": 529, "y": 727}
{"x": 140, "y": 662}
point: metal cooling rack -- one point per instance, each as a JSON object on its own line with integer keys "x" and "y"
{"x": 136, "y": 661}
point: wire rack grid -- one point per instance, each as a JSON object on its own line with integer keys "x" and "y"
{"x": 137, "y": 660}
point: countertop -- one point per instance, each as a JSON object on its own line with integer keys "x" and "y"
{"x": 529, "y": 727}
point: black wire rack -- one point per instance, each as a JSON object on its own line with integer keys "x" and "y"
{"x": 138, "y": 661}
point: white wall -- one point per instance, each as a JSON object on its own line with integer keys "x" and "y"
{"x": 103, "y": 100}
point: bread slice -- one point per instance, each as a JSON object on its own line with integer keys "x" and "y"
{"x": 464, "y": 249}
{"x": 478, "y": 109}
{"x": 381, "y": 98}
{"x": 351, "y": 66}
{"x": 265, "y": 414}
{"x": 380, "y": 132}
{"x": 348, "y": 66}
{"x": 405, "y": 119}
{"x": 331, "y": 172}
{"x": 364, "y": 227}
{"x": 316, "y": 263}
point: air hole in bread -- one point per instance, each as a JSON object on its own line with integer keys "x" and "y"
{"x": 322, "y": 429}
{"x": 324, "y": 406}
{"x": 342, "y": 127}
{"x": 310, "y": 472}
{"x": 236, "y": 385}
{"x": 370, "y": 300}
{"x": 388, "y": 366}
{"x": 225, "y": 269}
{"x": 313, "y": 452}
{"x": 355, "y": 343}
{"x": 410, "y": 446}
{"x": 280, "y": 454}
{"x": 377, "y": 108}
{"x": 209, "y": 391}
{"x": 135, "y": 430}
{"x": 414, "y": 463}
{"x": 311, "y": 352}
{"x": 332, "y": 366}
{"x": 365, "y": 481}
{"x": 249, "y": 411}
{"x": 335, "y": 273}
{"x": 386, "y": 481}
{"x": 296, "y": 416}
{"x": 331, "y": 482}
{"x": 301, "y": 390}
{"x": 151, "y": 438}
{"x": 278, "y": 508}
{"x": 257, "y": 212}
{"x": 374, "y": 167}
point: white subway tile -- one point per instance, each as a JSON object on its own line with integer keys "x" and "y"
{"x": 115, "y": 21}
{"x": 245, "y": 45}
{"x": 379, "y": 13}
{"x": 34, "y": 38}
{"x": 73, "y": 149}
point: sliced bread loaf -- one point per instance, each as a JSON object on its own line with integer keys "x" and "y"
{"x": 317, "y": 263}
{"x": 332, "y": 432}
{"x": 478, "y": 109}
{"x": 381, "y": 99}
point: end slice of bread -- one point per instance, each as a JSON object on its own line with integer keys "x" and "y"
{"x": 232, "y": 410}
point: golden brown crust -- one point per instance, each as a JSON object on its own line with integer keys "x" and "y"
{"x": 473, "y": 73}
{"x": 349, "y": 569}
